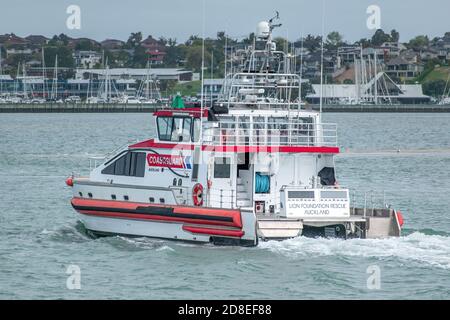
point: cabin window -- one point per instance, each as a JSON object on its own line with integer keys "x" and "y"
{"x": 194, "y": 175}
{"x": 165, "y": 128}
{"x": 222, "y": 168}
{"x": 175, "y": 129}
{"x": 187, "y": 124}
{"x": 196, "y": 130}
{"x": 152, "y": 199}
{"x": 130, "y": 164}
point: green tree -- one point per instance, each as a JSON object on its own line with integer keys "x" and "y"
{"x": 365, "y": 43}
{"x": 140, "y": 57}
{"x": 134, "y": 40}
{"x": 86, "y": 45}
{"x": 395, "y": 36}
{"x": 312, "y": 43}
{"x": 380, "y": 37}
{"x": 434, "y": 88}
{"x": 65, "y": 58}
{"x": 194, "y": 58}
{"x": 418, "y": 42}
{"x": 335, "y": 39}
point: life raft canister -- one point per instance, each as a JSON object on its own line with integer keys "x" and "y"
{"x": 197, "y": 194}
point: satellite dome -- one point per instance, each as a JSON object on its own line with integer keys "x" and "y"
{"x": 263, "y": 30}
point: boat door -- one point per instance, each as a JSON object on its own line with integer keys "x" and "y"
{"x": 223, "y": 174}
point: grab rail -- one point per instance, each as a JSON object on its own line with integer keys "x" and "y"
{"x": 284, "y": 134}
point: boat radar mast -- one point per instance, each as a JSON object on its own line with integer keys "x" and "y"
{"x": 264, "y": 31}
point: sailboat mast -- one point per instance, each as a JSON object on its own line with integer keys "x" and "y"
{"x": 43, "y": 75}
{"x": 321, "y": 57}
{"x": 301, "y": 72}
{"x": 1, "y": 72}
{"x": 376, "y": 76}
{"x": 56, "y": 77}
{"x": 24, "y": 87}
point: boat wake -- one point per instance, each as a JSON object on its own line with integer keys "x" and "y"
{"x": 68, "y": 234}
{"x": 431, "y": 250}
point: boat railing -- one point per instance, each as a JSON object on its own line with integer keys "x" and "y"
{"x": 364, "y": 201}
{"x": 95, "y": 161}
{"x": 268, "y": 134}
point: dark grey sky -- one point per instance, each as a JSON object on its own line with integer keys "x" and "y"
{"x": 180, "y": 18}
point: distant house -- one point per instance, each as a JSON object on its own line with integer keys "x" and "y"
{"x": 87, "y": 59}
{"x": 155, "y": 49}
{"x": 138, "y": 74}
{"x": 15, "y": 51}
{"x": 404, "y": 67}
{"x": 429, "y": 54}
{"x": 12, "y": 39}
{"x": 347, "y": 55}
{"x": 312, "y": 62}
{"x": 212, "y": 88}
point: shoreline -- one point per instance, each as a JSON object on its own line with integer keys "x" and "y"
{"x": 136, "y": 108}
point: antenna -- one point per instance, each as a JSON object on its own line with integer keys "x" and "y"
{"x": 301, "y": 70}
{"x": 321, "y": 57}
{"x": 202, "y": 74}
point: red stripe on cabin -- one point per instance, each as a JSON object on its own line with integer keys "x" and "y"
{"x": 226, "y": 148}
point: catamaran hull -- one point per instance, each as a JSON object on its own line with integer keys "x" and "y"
{"x": 224, "y": 226}
{"x": 203, "y": 225}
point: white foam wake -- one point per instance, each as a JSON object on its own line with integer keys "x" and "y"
{"x": 432, "y": 250}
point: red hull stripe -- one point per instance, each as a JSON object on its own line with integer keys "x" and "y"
{"x": 215, "y": 232}
{"x": 193, "y": 112}
{"x": 133, "y": 210}
{"x": 225, "y": 148}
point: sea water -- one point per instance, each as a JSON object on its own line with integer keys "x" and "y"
{"x": 405, "y": 157}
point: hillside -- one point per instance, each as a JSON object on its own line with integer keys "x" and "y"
{"x": 439, "y": 73}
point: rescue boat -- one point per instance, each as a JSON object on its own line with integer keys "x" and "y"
{"x": 255, "y": 165}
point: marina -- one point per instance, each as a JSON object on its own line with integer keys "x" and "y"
{"x": 149, "y": 108}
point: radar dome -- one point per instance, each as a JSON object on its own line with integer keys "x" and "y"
{"x": 263, "y": 30}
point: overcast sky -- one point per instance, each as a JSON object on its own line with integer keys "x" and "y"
{"x": 101, "y": 19}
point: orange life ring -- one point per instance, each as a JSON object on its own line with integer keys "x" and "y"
{"x": 197, "y": 195}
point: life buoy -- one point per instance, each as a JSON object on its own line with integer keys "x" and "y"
{"x": 197, "y": 195}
